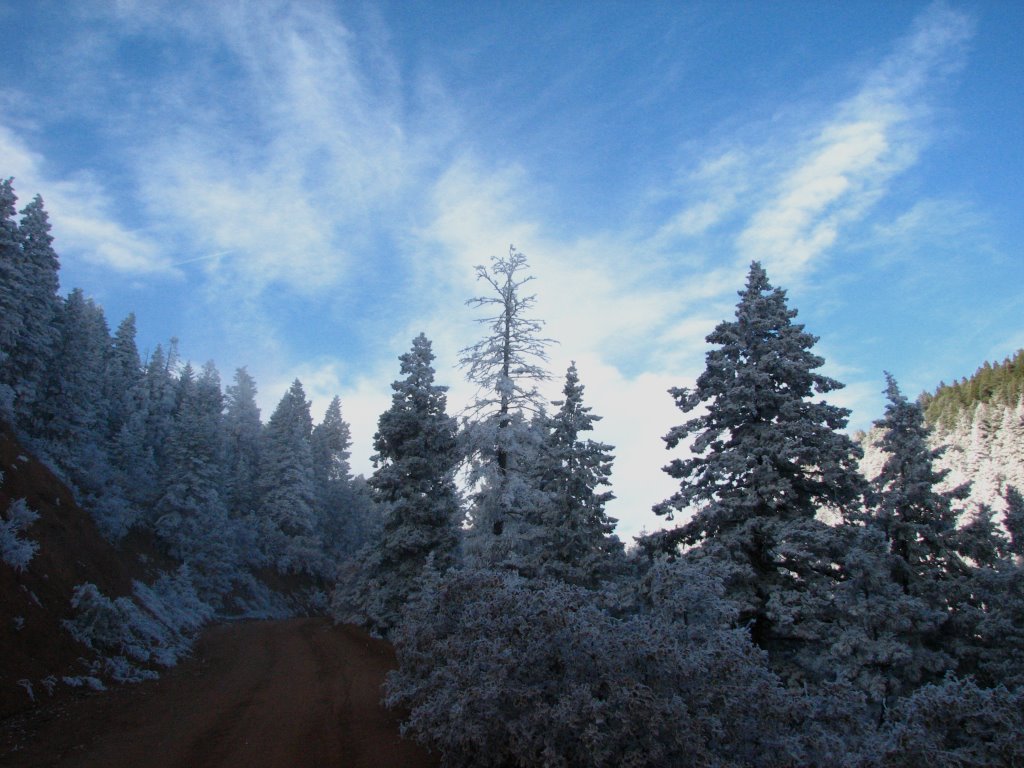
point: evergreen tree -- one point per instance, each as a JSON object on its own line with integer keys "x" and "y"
{"x": 11, "y": 280}
{"x": 506, "y": 366}
{"x": 1014, "y": 520}
{"x": 72, "y": 413}
{"x": 344, "y": 505}
{"x": 877, "y": 637}
{"x": 765, "y": 459}
{"x": 130, "y": 464}
{"x": 288, "y": 488}
{"x": 139, "y": 451}
{"x": 159, "y": 401}
{"x": 243, "y": 431}
{"x": 414, "y": 482}
{"x": 39, "y": 306}
{"x": 124, "y": 375}
{"x": 983, "y": 597}
{"x": 578, "y": 544}
{"x": 191, "y": 516}
{"x": 331, "y": 442}
{"x": 918, "y": 521}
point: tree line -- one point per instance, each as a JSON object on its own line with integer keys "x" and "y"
{"x": 1000, "y": 384}
{"x": 157, "y": 445}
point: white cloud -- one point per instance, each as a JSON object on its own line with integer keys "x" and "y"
{"x": 81, "y": 214}
{"x": 847, "y": 166}
{"x": 718, "y": 185}
{"x": 298, "y": 162}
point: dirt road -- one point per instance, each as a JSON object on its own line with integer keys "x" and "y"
{"x": 271, "y": 694}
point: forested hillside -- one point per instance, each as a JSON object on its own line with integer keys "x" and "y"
{"x": 999, "y": 384}
{"x": 977, "y": 426}
{"x": 748, "y": 632}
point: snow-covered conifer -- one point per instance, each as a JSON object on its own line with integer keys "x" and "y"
{"x": 139, "y": 449}
{"x": 71, "y": 415}
{"x": 11, "y": 280}
{"x": 501, "y": 435}
{"x": 288, "y": 486}
{"x": 918, "y": 521}
{"x": 331, "y": 444}
{"x": 243, "y": 430}
{"x": 765, "y": 458}
{"x": 124, "y": 374}
{"x": 1014, "y": 520}
{"x": 191, "y": 517}
{"x": 578, "y": 542}
{"x": 348, "y": 517}
{"x": 413, "y": 481}
{"x": 39, "y": 306}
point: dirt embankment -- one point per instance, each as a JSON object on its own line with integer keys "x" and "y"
{"x": 289, "y": 694}
{"x": 33, "y": 643}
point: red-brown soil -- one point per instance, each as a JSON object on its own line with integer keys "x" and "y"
{"x": 33, "y": 603}
{"x": 255, "y": 694}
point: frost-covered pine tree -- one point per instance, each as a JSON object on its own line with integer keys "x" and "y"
{"x": 124, "y": 375}
{"x": 39, "y": 307}
{"x": 288, "y": 510}
{"x": 414, "y": 483}
{"x": 578, "y": 544}
{"x": 917, "y": 520}
{"x": 1014, "y": 521}
{"x": 347, "y": 515}
{"x": 877, "y": 637}
{"x": 331, "y": 444}
{"x": 139, "y": 449}
{"x": 501, "y": 434}
{"x": 11, "y": 280}
{"x": 765, "y": 457}
{"x": 242, "y": 434}
{"x": 159, "y": 401}
{"x": 131, "y": 465}
{"x": 191, "y": 518}
{"x": 71, "y": 415}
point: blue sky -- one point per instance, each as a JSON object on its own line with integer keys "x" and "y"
{"x": 303, "y": 187}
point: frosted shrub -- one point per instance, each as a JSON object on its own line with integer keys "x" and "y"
{"x": 130, "y": 636}
{"x": 956, "y": 723}
{"x": 499, "y": 671}
{"x": 15, "y": 550}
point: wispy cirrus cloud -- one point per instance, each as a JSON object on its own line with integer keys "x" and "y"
{"x": 85, "y": 222}
{"x": 846, "y": 165}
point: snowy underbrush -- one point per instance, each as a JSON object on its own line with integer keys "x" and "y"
{"x": 132, "y": 636}
{"x": 15, "y": 550}
{"x": 497, "y": 670}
